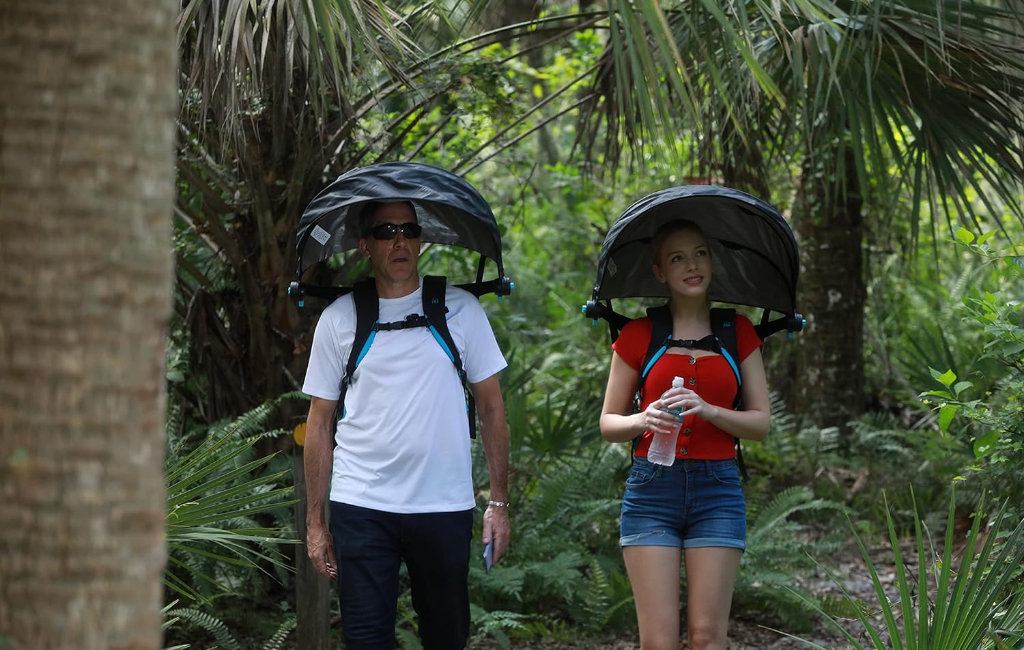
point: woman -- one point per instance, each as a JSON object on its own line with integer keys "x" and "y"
{"x": 697, "y": 503}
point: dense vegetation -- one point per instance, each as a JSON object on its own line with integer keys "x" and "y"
{"x": 938, "y": 331}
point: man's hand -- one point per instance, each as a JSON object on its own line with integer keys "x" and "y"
{"x": 496, "y": 527}
{"x": 317, "y": 459}
{"x": 321, "y": 551}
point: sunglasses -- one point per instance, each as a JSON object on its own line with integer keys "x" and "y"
{"x": 390, "y": 230}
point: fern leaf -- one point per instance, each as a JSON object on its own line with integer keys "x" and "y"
{"x": 211, "y": 624}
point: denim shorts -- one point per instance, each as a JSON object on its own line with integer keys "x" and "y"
{"x": 690, "y": 504}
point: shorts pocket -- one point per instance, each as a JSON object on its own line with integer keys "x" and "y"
{"x": 727, "y": 473}
{"x": 642, "y": 473}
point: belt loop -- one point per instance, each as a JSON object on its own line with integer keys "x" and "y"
{"x": 707, "y": 468}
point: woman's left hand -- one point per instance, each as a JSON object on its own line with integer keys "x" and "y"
{"x": 689, "y": 402}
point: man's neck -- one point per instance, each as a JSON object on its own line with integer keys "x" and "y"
{"x": 401, "y": 289}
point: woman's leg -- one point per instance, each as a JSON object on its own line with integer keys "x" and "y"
{"x": 654, "y": 575}
{"x": 710, "y": 577}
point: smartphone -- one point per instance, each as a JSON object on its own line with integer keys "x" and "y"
{"x": 488, "y": 555}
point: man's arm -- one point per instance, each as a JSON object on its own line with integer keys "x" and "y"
{"x": 317, "y": 457}
{"x": 494, "y": 433}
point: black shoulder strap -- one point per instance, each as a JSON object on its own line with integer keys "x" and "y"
{"x": 661, "y": 331}
{"x": 364, "y": 294}
{"x": 723, "y": 326}
{"x": 434, "y": 288}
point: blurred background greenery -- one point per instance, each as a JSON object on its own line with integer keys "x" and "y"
{"x": 887, "y": 133}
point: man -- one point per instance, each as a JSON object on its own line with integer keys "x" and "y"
{"x": 401, "y": 483}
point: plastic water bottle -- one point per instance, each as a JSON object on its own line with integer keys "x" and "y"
{"x": 663, "y": 447}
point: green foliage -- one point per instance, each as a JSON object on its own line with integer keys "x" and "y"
{"x": 169, "y": 623}
{"x": 216, "y": 629}
{"x": 564, "y": 565}
{"x": 209, "y": 623}
{"x": 913, "y": 323}
{"x": 215, "y": 490}
{"x": 973, "y": 605}
{"x": 778, "y": 556}
{"x": 992, "y": 416}
{"x": 497, "y": 625}
{"x": 879, "y": 453}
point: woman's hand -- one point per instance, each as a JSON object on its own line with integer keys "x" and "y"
{"x": 689, "y": 402}
{"x": 653, "y": 418}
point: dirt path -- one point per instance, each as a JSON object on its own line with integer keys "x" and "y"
{"x": 745, "y": 634}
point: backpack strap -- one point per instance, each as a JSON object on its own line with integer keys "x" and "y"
{"x": 723, "y": 326}
{"x": 661, "y": 333}
{"x": 434, "y": 318}
{"x": 364, "y": 294}
{"x": 434, "y": 287}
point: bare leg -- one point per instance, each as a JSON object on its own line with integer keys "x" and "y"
{"x": 710, "y": 577}
{"x": 654, "y": 575}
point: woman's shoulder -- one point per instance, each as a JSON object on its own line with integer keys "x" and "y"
{"x": 745, "y": 325}
{"x": 638, "y": 327}
{"x": 632, "y": 341}
{"x": 747, "y": 339}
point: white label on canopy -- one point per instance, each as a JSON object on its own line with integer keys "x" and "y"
{"x": 612, "y": 269}
{"x": 320, "y": 235}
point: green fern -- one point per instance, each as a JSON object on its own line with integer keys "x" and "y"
{"x": 213, "y": 625}
{"x": 406, "y": 630}
{"x": 840, "y": 607}
{"x": 777, "y": 555}
{"x": 564, "y": 555}
{"x": 276, "y": 642}
{"x": 603, "y": 598}
{"x": 497, "y": 624}
{"x": 254, "y": 422}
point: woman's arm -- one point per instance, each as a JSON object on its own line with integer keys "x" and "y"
{"x": 618, "y": 422}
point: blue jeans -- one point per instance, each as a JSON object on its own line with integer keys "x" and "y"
{"x": 371, "y": 544}
{"x": 690, "y": 504}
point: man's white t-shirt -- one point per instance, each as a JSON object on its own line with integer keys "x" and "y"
{"x": 403, "y": 444}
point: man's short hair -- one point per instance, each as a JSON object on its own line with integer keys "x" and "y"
{"x": 369, "y": 209}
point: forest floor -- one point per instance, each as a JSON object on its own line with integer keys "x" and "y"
{"x": 750, "y": 634}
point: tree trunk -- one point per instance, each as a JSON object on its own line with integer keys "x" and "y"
{"x": 312, "y": 590}
{"x": 830, "y": 227}
{"x": 86, "y": 189}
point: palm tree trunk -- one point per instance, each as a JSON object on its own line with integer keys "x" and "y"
{"x": 86, "y": 187}
{"x": 830, "y": 363}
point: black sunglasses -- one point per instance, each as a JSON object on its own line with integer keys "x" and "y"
{"x": 390, "y": 230}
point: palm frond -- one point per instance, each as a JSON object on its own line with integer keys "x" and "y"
{"x": 213, "y": 495}
{"x": 973, "y": 604}
{"x": 932, "y": 88}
